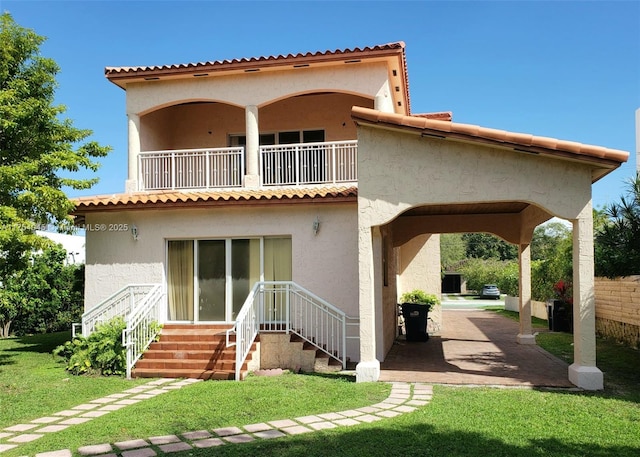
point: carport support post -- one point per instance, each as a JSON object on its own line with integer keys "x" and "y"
{"x": 369, "y": 249}
{"x": 583, "y": 372}
{"x": 524, "y": 257}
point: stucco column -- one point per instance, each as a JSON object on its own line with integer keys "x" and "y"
{"x": 524, "y": 257}
{"x": 131, "y": 185}
{"x": 368, "y": 370}
{"x": 383, "y": 100}
{"x": 583, "y": 372}
{"x": 252, "y": 148}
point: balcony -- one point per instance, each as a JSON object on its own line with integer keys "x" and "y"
{"x": 280, "y": 165}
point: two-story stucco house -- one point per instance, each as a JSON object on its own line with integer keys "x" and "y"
{"x": 298, "y": 193}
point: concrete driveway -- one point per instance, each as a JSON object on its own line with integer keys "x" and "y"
{"x": 477, "y": 347}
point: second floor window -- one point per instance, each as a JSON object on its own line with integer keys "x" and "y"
{"x": 284, "y": 137}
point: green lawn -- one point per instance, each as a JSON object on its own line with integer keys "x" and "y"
{"x": 458, "y": 422}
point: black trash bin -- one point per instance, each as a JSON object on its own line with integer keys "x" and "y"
{"x": 415, "y": 321}
{"x": 550, "y": 314}
{"x": 560, "y": 316}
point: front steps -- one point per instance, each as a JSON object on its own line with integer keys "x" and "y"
{"x": 291, "y": 352}
{"x": 191, "y": 351}
{"x": 200, "y": 352}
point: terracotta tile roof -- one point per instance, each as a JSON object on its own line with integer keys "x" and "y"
{"x": 519, "y": 141}
{"x": 441, "y": 116}
{"x": 395, "y": 50}
{"x": 173, "y": 199}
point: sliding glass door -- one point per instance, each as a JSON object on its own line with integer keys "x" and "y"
{"x": 209, "y": 280}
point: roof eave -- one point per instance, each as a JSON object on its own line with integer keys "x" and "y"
{"x": 606, "y": 159}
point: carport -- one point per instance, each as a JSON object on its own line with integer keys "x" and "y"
{"x": 419, "y": 176}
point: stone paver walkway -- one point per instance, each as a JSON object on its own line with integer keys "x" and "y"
{"x": 404, "y": 398}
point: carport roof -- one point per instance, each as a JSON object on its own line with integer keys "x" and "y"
{"x": 605, "y": 159}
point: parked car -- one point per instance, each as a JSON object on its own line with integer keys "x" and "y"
{"x": 490, "y": 291}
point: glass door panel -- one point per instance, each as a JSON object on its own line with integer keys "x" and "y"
{"x": 211, "y": 280}
{"x": 245, "y": 270}
{"x": 180, "y": 280}
{"x": 277, "y": 267}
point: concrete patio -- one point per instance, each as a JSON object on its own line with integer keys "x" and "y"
{"x": 476, "y": 347}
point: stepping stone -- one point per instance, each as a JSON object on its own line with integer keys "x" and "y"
{"x": 350, "y": 413}
{"x": 405, "y": 409}
{"x": 52, "y": 428}
{"x": 238, "y": 439}
{"x": 227, "y": 431}
{"x": 86, "y": 406}
{"x": 21, "y": 427}
{"x": 388, "y": 413}
{"x": 60, "y": 453}
{"x": 197, "y": 435}
{"x": 297, "y": 430}
{"x": 131, "y": 444}
{"x": 368, "y": 418}
{"x": 269, "y": 434}
{"x": 175, "y": 447}
{"x": 94, "y": 414}
{"x": 144, "y": 452}
{"x": 322, "y": 425}
{"x": 309, "y": 419}
{"x": 209, "y": 442}
{"x": 26, "y": 438}
{"x": 254, "y": 428}
{"x": 75, "y": 421}
{"x": 45, "y": 420}
{"x": 331, "y": 416}
{"x": 346, "y": 422}
{"x": 166, "y": 439}
{"x": 5, "y": 435}
{"x": 95, "y": 449}
{"x": 283, "y": 423}
{"x": 67, "y": 413}
{"x": 6, "y": 447}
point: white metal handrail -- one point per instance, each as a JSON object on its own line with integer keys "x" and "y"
{"x": 284, "y": 306}
{"x": 120, "y": 303}
{"x": 246, "y": 327}
{"x": 142, "y": 326}
{"x": 191, "y": 168}
{"x": 309, "y": 163}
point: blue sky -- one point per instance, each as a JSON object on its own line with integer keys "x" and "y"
{"x": 564, "y": 69}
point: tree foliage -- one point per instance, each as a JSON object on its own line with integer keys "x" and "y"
{"x": 37, "y": 146}
{"x": 617, "y": 242}
{"x": 46, "y": 296}
{"x": 453, "y": 249}
{"x": 487, "y": 246}
{"x": 39, "y": 151}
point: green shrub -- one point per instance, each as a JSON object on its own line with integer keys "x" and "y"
{"x": 101, "y": 353}
{"x": 419, "y": 297}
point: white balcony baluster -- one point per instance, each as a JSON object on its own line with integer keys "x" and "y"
{"x": 309, "y": 163}
{"x": 191, "y": 168}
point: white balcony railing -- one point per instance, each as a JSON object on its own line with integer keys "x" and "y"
{"x": 309, "y": 163}
{"x": 191, "y": 168}
{"x": 280, "y": 165}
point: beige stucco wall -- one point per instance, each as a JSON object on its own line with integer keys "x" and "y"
{"x": 398, "y": 171}
{"x": 259, "y": 89}
{"x": 325, "y": 263}
{"x": 209, "y": 124}
{"x": 419, "y": 268}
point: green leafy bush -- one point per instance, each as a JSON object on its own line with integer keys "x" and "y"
{"x": 420, "y": 297}
{"x": 101, "y": 353}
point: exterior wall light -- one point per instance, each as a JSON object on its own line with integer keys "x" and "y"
{"x": 134, "y": 232}
{"x": 316, "y": 226}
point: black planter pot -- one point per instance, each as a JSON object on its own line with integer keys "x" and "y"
{"x": 415, "y": 321}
